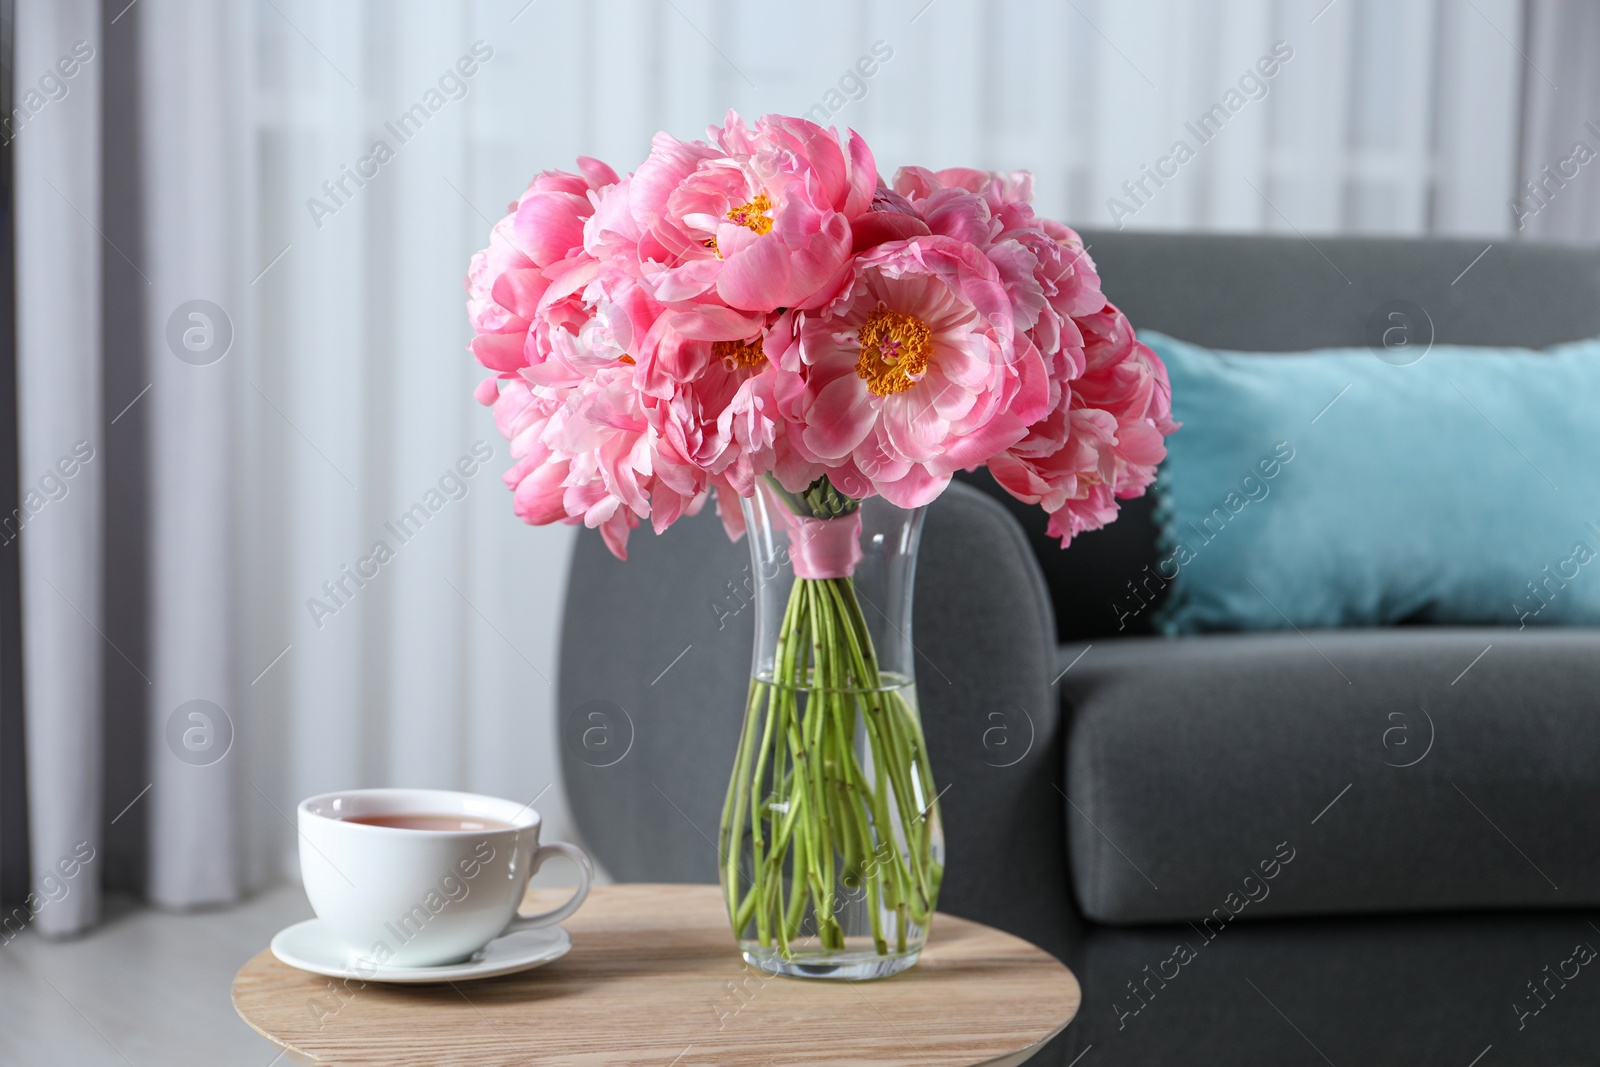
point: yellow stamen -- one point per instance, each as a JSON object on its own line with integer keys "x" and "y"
{"x": 736, "y": 354}
{"x": 753, "y": 216}
{"x": 625, "y": 358}
{"x": 894, "y": 351}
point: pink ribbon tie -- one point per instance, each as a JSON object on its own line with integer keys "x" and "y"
{"x": 824, "y": 548}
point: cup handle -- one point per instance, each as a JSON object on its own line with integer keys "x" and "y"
{"x": 555, "y": 915}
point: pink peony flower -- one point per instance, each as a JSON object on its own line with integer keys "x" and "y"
{"x": 1047, "y": 275}
{"x": 1102, "y": 440}
{"x": 758, "y": 221}
{"x": 526, "y": 283}
{"x": 913, "y": 372}
{"x": 1110, "y": 404}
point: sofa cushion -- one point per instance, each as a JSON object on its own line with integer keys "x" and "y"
{"x": 1316, "y": 488}
{"x": 1392, "y": 770}
{"x": 1256, "y": 293}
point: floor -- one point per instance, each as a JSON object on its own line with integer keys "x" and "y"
{"x": 149, "y": 988}
{"x": 145, "y": 988}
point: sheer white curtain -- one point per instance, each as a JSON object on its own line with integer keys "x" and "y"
{"x": 403, "y": 623}
{"x": 1378, "y": 117}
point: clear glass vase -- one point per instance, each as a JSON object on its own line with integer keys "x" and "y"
{"x": 832, "y": 852}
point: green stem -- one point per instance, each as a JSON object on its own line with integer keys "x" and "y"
{"x": 903, "y": 732}
{"x": 733, "y": 806}
{"x": 820, "y": 830}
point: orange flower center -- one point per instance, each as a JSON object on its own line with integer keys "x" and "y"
{"x": 894, "y": 351}
{"x": 753, "y": 216}
{"x": 736, "y": 354}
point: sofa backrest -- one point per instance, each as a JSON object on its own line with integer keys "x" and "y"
{"x": 1289, "y": 293}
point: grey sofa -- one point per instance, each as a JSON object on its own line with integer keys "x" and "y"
{"x": 1350, "y": 847}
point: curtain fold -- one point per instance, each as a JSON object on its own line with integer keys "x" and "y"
{"x": 61, "y": 438}
{"x": 13, "y": 757}
{"x": 1558, "y": 189}
{"x": 196, "y": 235}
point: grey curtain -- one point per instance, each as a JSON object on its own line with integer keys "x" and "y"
{"x": 1558, "y": 189}
{"x": 55, "y": 126}
{"x": 196, "y": 198}
{"x": 129, "y": 196}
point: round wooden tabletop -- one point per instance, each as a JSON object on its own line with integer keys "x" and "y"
{"x": 654, "y": 978}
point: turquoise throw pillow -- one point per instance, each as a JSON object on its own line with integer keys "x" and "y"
{"x": 1332, "y": 488}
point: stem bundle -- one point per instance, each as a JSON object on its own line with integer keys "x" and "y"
{"x": 806, "y": 828}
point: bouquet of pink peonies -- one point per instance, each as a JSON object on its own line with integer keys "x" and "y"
{"x": 763, "y": 305}
{"x": 759, "y": 314}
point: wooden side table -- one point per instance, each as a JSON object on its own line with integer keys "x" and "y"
{"x": 654, "y": 978}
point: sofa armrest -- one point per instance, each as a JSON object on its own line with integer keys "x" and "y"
{"x": 985, "y": 636}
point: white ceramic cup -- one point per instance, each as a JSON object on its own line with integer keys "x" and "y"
{"x": 418, "y": 898}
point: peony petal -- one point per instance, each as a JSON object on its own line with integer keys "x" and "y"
{"x": 596, "y": 173}
{"x": 756, "y": 278}
{"x": 708, "y": 322}
{"x": 878, "y": 227}
{"x": 550, "y": 225}
{"x": 614, "y": 531}
{"x": 730, "y": 510}
{"x": 686, "y": 282}
{"x": 519, "y": 291}
{"x": 917, "y": 488}
{"x": 863, "y": 177}
{"x": 500, "y": 351}
{"x": 1141, "y": 443}
{"x": 822, "y": 154}
{"x": 815, "y": 264}
{"x": 538, "y": 497}
{"x": 839, "y": 418}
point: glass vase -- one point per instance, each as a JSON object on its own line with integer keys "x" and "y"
{"x": 831, "y": 847}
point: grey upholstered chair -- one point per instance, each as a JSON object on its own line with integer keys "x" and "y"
{"x": 1106, "y": 812}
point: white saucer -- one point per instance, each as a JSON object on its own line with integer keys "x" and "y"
{"x": 310, "y": 947}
